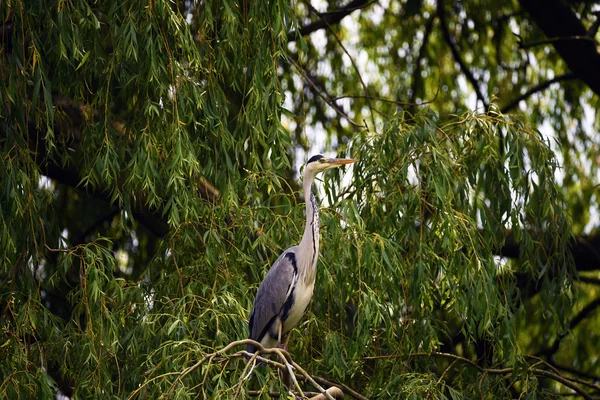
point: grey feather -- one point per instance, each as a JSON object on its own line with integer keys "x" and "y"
{"x": 271, "y": 298}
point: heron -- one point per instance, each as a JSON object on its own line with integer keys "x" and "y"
{"x": 285, "y": 292}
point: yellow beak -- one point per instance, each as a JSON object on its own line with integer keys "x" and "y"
{"x": 340, "y": 161}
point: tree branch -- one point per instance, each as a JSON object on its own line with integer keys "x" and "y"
{"x": 498, "y": 36}
{"x": 556, "y": 19}
{"x": 553, "y": 40}
{"x": 564, "y": 380}
{"x": 536, "y": 89}
{"x": 417, "y": 73}
{"x": 591, "y": 281}
{"x": 106, "y": 217}
{"x": 285, "y": 363}
{"x": 583, "y": 314}
{"x": 335, "y": 392}
{"x": 574, "y": 371}
{"x": 583, "y": 248}
{"x": 385, "y": 100}
{"x": 73, "y": 119}
{"x": 360, "y": 78}
{"x": 322, "y": 93}
{"x": 441, "y": 12}
{"x": 329, "y": 18}
{"x": 344, "y": 388}
{"x": 569, "y": 382}
{"x": 69, "y": 176}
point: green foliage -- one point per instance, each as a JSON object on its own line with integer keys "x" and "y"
{"x": 415, "y": 280}
{"x": 146, "y": 186}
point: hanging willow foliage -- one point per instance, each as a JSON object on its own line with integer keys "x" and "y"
{"x": 146, "y": 188}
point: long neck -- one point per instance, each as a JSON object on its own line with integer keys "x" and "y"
{"x": 310, "y": 239}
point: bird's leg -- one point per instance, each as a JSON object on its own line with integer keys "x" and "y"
{"x": 279, "y": 329}
{"x": 284, "y": 373}
{"x": 287, "y": 340}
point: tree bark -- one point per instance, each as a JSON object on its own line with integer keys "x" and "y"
{"x": 558, "y": 21}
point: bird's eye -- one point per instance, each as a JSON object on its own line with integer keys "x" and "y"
{"x": 322, "y": 160}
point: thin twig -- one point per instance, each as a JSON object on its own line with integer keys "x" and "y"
{"x": 109, "y": 215}
{"x": 286, "y": 364}
{"x": 322, "y": 94}
{"x": 207, "y": 369}
{"x": 376, "y": 98}
{"x": 243, "y": 377}
{"x": 447, "y": 355}
{"x": 360, "y": 78}
{"x": 456, "y": 54}
{"x": 553, "y": 40}
{"x": 580, "y": 373}
{"x": 536, "y": 89}
{"x": 499, "y": 24}
{"x": 565, "y": 380}
{"x": 286, "y": 361}
{"x": 191, "y": 369}
{"x": 310, "y": 395}
{"x": 310, "y": 379}
{"x": 400, "y": 103}
{"x": 480, "y": 384}
{"x": 446, "y": 371}
{"x": 417, "y": 74}
{"x": 256, "y": 393}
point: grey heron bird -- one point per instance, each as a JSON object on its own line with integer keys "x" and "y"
{"x": 286, "y": 290}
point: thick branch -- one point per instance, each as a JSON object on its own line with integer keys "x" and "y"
{"x": 69, "y": 174}
{"x": 556, "y": 19}
{"x": 329, "y": 18}
{"x": 585, "y": 251}
{"x": 97, "y": 224}
{"x": 591, "y": 281}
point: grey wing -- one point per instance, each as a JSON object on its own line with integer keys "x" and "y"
{"x": 272, "y": 294}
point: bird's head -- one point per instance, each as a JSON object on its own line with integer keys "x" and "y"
{"x": 318, "y": 163}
